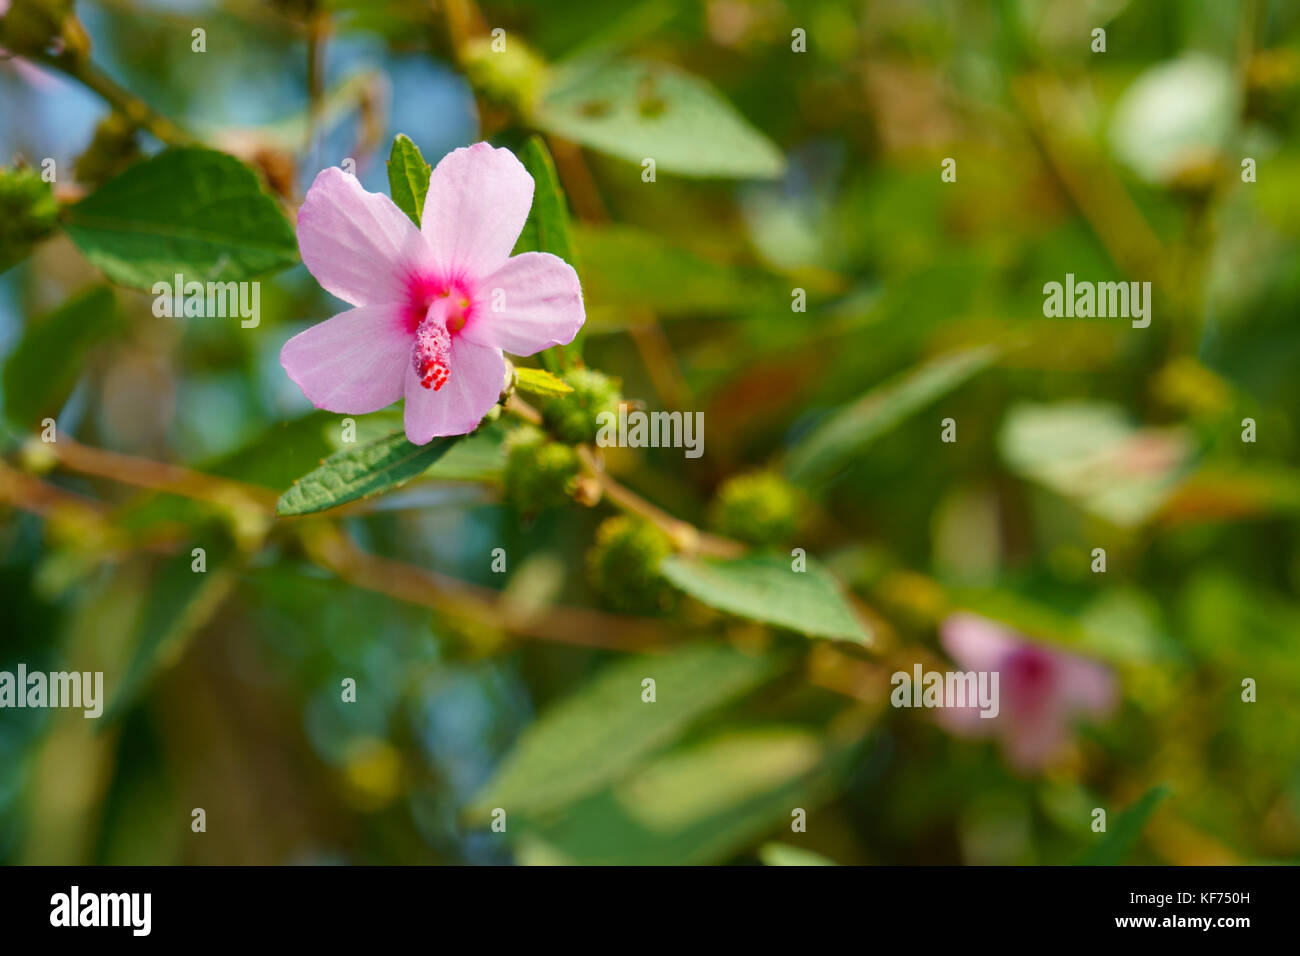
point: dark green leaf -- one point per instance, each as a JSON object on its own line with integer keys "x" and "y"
{"x": 188, "y": 211}
{"x": 408, "y": 177}
{"x": 360, "y": 471}
{"x": 181, "y": 601}
{"x": 835, "y": 443}
{"x": 1123, "y": 833}
{"x": 43, "y": 368}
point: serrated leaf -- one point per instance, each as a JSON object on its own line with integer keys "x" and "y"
{"x": 408, "y": 177}
{"x": 189, "y": 211}
{"x": 1127, "y": 827}
{"x": 536, "y": 382}
{"x": 635, "y": 110}
{"x": 604, "y": 728}
{"x": 766, "y": 588}
{"x": 360, "y": 471}
{"x": 42, "y": 370}
{"x": 836, "y": 442}
{"x": 698, "y": 804}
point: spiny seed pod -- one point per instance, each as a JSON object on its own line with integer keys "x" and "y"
{"x": 623, "y": 565}
{"x": 28, "y": 212}
{"x": 539, "y": 473}
{"x": 572, "y": 417}
{"x": 759, "y": 508}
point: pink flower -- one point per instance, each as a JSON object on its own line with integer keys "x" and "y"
{"x": 1041, "y": 691}
{"x": 434, "y": 306}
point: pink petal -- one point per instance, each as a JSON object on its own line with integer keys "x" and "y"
{"x": 477, "y": 377}
{"x": 541, "y": 305}
{"x": 976, "y": 643}
{"x": 358, "y": 245}
{"x": 1086, "y": 686}
{"x": 477, "y": 203}
{"x": 355, "y": 362}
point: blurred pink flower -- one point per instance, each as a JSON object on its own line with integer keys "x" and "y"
{"x": 1042, "y": 691}
{"x": 435, "y": 305}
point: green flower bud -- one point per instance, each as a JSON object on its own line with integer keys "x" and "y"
{"x": 539, "y": 473}
{"x": 759, "y": 508}
{"x": 28, "y": 212}
{"x": 623, "y": 565}
{"x": 572, "y": 417}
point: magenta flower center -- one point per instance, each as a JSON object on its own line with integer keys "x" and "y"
{"x": 1030, "y": 676}
{"x": 437, "y": 311}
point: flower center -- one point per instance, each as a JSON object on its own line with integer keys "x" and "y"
{"x": 438, "y": 311}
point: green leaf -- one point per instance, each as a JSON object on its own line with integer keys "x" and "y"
{"x": 189, "y": 211}
{"x": 1124, "y": 831}
{"x": 547, "y": 228}
{"x": 836, "y": 442}
{"x": 766, "y": 588}
{"x": 637, "y": 110}
{"x": 629, "y": 269}
{"x": 42, "y": 370}
{"x": 699, "y": 804}
{"x": 408, "y": 177}
{"x": 1090, "y": 453}
{"x": 360, "y": 471}
{"x": 181, "y": 601}
{"x": 537, "y": 382}
{"x": 603, "y": 729}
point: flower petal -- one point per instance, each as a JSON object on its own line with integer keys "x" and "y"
{"x": 541, "y": 305}
{"x": 355, "y": 362}
{"x": 477, "y": 377}
{"x": 976, "y": 643}
{"x": 477, "y": 203}
{"x": 1086, "y": 686}
{"x": 358, "y": 245}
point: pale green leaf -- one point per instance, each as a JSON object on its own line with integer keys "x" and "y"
{"x": 640, "y": 110}
{"x": 604, "y": 728}
{"x": 766, "y": 588}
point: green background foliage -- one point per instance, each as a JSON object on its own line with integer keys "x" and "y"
{"x": 500, "y": 662}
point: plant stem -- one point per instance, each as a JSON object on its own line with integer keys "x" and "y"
{"x": 121, "y": 99}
